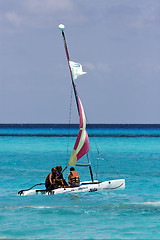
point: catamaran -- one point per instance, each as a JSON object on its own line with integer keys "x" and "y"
{"x": 81, "y": 147}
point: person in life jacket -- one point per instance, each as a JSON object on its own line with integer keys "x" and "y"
{"x": 73, "y": 178}
{"x": 61, "y": 182}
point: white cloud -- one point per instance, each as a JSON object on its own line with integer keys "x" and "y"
{"x": 13, "y": 18}
{"x": 157, "y": 68}
{"x": 36, "y": 14}
{"x": 103, "y": 67}
{"x": 146, "y": 17}
{"x": 89, "y": 65}
{"x": 44, "y": 6}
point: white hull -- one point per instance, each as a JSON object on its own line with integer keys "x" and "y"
{"x": 111, "y": 185}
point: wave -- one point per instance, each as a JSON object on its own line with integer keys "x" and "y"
{"x": 140, "y": 205}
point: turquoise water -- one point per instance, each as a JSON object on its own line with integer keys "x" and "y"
{"x": 130, "y": 214}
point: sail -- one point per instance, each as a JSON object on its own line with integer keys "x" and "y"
{"x": 81, "y": 146}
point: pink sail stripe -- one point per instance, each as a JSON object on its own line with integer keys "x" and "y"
{"x": 84, "y": 149}
{"x": 82, "y": 142}
{"x": 82, "y": 117}
{"x": 78, "y": 139}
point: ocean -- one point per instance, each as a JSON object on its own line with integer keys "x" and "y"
{"x": 27, "y": 154}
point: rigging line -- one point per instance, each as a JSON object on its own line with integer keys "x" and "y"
{"x": 70, "y": 113}
{"x": 64, "y": 169}
{"x": 91, "y": 152}
{"x": 110, "y": 164}
{"x": 68, "y": 60}
{"x": 102, "y": 155}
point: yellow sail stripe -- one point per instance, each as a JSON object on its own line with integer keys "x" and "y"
{"x": 73, "y": 158}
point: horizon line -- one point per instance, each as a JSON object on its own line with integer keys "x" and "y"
{"x": 89, "y": 125}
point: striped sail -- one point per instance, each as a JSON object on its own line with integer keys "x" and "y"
{"x": 81, "y": 146}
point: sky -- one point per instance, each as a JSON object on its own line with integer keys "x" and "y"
{"x": 116, "y": 41}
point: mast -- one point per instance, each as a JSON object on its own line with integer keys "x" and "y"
{"x": 68, "y": 59}
{"x": 90, "y": 169}
{"x": 82, "y": 141}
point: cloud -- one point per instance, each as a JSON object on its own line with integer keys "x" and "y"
{"x": 157, "y": 68}
{"x": 44, "y": 13}
{"x": 101, "y": 67}
{"x": 89, "y": 65}
{"x": 13, "y": 18}
{"x": 146, "y": 17}
{"x": 48, "y": 6}
{"x": 35, "y": 13}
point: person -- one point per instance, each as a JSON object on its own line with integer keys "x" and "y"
{"x": 60, "y": 180}
{"x": 50, "y": 182}
{"x": 73, "y": 178}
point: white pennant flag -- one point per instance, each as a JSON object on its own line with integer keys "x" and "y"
{"x": 76, "y": 69}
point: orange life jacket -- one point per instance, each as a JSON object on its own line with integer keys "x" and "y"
{"x": 74, "y": 177}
